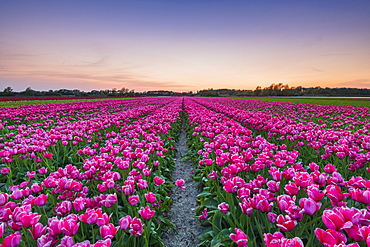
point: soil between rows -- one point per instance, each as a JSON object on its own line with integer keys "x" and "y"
{"x": 182, "y": 211}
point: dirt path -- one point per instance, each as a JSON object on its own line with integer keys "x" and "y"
{"x": 183, "y": 208}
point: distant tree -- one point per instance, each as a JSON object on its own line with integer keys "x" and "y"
{"x": 8, "y": 90}
{"x": 123, "y": 91}
{"x": 258, "y": 90}
{"x": 29, "y": 91}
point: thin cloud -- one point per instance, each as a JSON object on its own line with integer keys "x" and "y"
{"x": 317, "y": 70}
{"x": 334, "y": 54}
{"x": 359, "y": 83}
{"x": 142, "y": 83}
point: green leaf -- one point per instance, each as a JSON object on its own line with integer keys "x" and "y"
{"x": 217, "y": 222}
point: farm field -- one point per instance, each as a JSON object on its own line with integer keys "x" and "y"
{"x": 100, "y": 173}
{"x": 17, "y": 101}
{"x": 357, "y": 102}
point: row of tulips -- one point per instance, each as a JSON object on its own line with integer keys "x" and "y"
{"x": 261, "y": 191}
{"x": 313, "y": 130}
{"x": 87, "y": 174}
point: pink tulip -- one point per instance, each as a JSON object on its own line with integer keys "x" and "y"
{"x": 213, "y": 175}
{"x": 30, "y": 219}
{"x": 108, "y": 231}
{"x": 125, "y": 222}
{"x": 146, "y": 213}
{"x": 291, "y": 189}
{"x": 315, "y": 193}
{"x": 102, "y": 243}
{"x": 142, "y": 184}
{"x": 133, "y": 200}
{"x": 329, "y": 168}
{"x": 90, "y": 216}
{"x": 103, "y": 219}
{"x": 273, "y": 186}
{"x": 5, "y": 171}
{"x": 54, "y": 226}
{"x": 3, "y": 198}
{"x": 136, "y": 227}
{"x": 180, "y": 183}
{"x": 278, "y": 240}
{"x": 67, "y": 241}
{"x": 12, "y": 240}
{"x": 310, "y": 206}
{"x": 285, "y": 223}
{"x": 41, "y": 200}
{"x": 2, "y": 229}
{"x": 223, "y": 207}
{"x": 79, "y": 204}
{"x": 335, "y": 193}
{"x": 204, "y": 215}
{"x": 330, "y": 238}
{"x": 43, "y": 170}
{"x": 109, "y": 201}
{"x": 362, "y": 196}
{"x": 284, "y": 202}
{"x": 36, "y": 188}
{"x": 272, "y": 217}
{"x": 37, "y": 230}
{"x": 150, "y": 197}
{"x": 128, "y": 189}
{"x": 158, "y": 181}
{"x": 69, "y": 225}
{"x": 63, "y": 208}
{"x": 240, "y": 238}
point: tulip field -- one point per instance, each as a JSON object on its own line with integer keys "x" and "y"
{"x": 98, "y": 173}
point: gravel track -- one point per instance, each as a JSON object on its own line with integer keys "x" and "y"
{"x": 183, "y": 209}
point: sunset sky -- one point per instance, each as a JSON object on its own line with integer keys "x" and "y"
{"x": 183, "y": 45}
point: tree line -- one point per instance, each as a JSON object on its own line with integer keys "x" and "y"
{"x": 278, "y": 89}
{"x": 123, "y": 92}
{"x": 281, "y": 89}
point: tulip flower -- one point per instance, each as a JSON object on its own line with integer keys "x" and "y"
{"x": 239, "y": 237}
{"x": 125, "y": 222}
{"x": 103, "y": 243}
{"x": 150, "y": 197}
{"x": 67, "y": 241}
{"x": 133, "y": 200}
{"x": 285, "y": 223}
{"x": 136, "y": 227}
{"x": 335, "y": 193}
{"x": 330, "y": 238}
{"x": 103, "y": 219}
{"x": 37, "y": 230}
{"x": 54, "y": 226}
{"x": 223, "y": 207}
{"x": 213, "y": 175}
{"x": 278, "y": 240}
{"x": 108, "y": 231}
{"x": 41, "y": 200}
{"x": 180, "y": 183}
{"x": 362, "y": 196}
{"x": 158, "y": 181}
{"x": 69, "y": 225}
{"x": 315, "y": 193}
{"x": 310, "y": 206}
{"x": 30, "y": 219}
{"x": 12, "y": 240}
{"x": 204, "y": 215}
{"x": 3, "y": 198}
{"x": 2, "y": 228}
{"x": 146, "y": 213}
{"x": 90, "y": 216}
{"x": 109, "y": 201}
